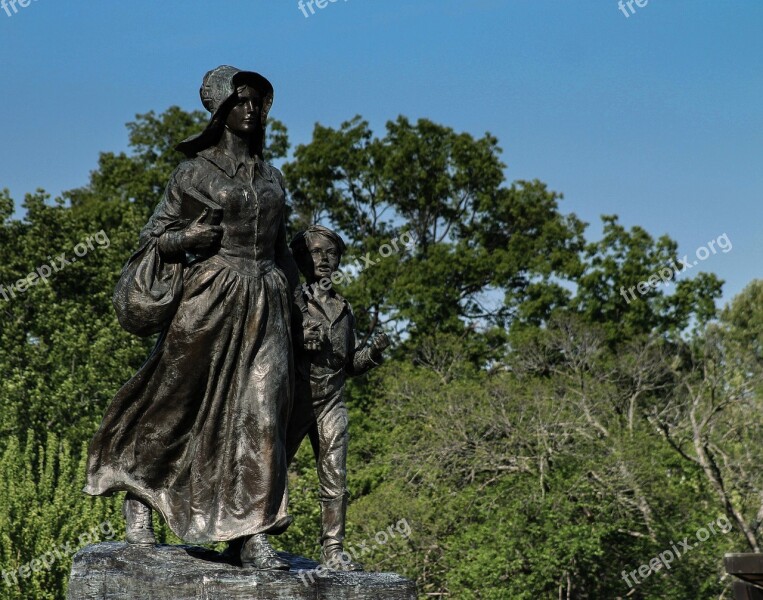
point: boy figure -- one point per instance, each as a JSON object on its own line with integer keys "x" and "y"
{"x": 326, "y": 352}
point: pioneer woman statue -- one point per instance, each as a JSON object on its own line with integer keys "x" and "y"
{"x": 198, "y": 433}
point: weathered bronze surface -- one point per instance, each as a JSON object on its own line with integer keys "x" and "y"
{"x": 326, "y": 353}
{"x": 204, "y": 432}
{"x": 199, "y": 432}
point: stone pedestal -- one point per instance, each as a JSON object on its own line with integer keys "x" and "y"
{"x": 121, "y": 571}
{"x": 748, "y": 568}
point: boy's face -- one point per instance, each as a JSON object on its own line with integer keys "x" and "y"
{"x": 324, "y": 256}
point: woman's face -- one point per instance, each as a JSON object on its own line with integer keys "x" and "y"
{"x": 246, "y": 113}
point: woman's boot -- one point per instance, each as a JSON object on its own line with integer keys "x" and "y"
{"x": 138, "y": 526}
{"x": 258, "y": 553}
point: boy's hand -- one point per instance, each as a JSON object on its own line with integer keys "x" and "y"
{"x": 312, "y": 335}
{"x": 379, "y": 344}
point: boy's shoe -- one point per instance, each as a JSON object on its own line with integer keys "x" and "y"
{"x": 333, "y": 556}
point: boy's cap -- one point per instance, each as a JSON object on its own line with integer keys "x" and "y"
{"x": 299, "y": 244}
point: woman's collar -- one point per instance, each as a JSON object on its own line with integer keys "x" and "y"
{"x": 230, "y": 164}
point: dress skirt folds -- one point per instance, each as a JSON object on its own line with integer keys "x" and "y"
{"x": 199, "y": 432}
{"x": 196, "y": 432}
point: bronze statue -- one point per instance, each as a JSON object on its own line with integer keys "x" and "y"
{"x": 199, "y": 432}
{"x": 326, "y": 351}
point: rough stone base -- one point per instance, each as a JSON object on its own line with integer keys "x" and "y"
{"x": 121, "y": 571}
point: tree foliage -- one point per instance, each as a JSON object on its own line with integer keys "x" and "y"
{"x": 539, "y": 434}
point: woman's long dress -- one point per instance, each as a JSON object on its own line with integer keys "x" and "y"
{"x": 198, "y": 433}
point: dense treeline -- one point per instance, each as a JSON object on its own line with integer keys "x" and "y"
{"x": 539, "y": 435}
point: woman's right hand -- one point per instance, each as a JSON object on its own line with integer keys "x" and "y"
{"x": 198, "y": 236}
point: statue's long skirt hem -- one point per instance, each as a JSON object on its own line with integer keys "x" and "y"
{"x": 198, "y": 433}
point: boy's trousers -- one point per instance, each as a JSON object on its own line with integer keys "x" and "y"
{"x": 324, "y": 420}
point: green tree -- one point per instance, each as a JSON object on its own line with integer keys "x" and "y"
{"x": 45, "y": 518}
{"x": 604, "y": 431}
{"x": 743, "y": 318}
{"x": 622, "y": 264}
{"x": 480, "y": 246}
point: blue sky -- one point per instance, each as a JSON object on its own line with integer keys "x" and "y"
{"x": 655, "y": 117}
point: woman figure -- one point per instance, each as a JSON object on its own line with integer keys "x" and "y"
{"x": 198, "y": 433}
